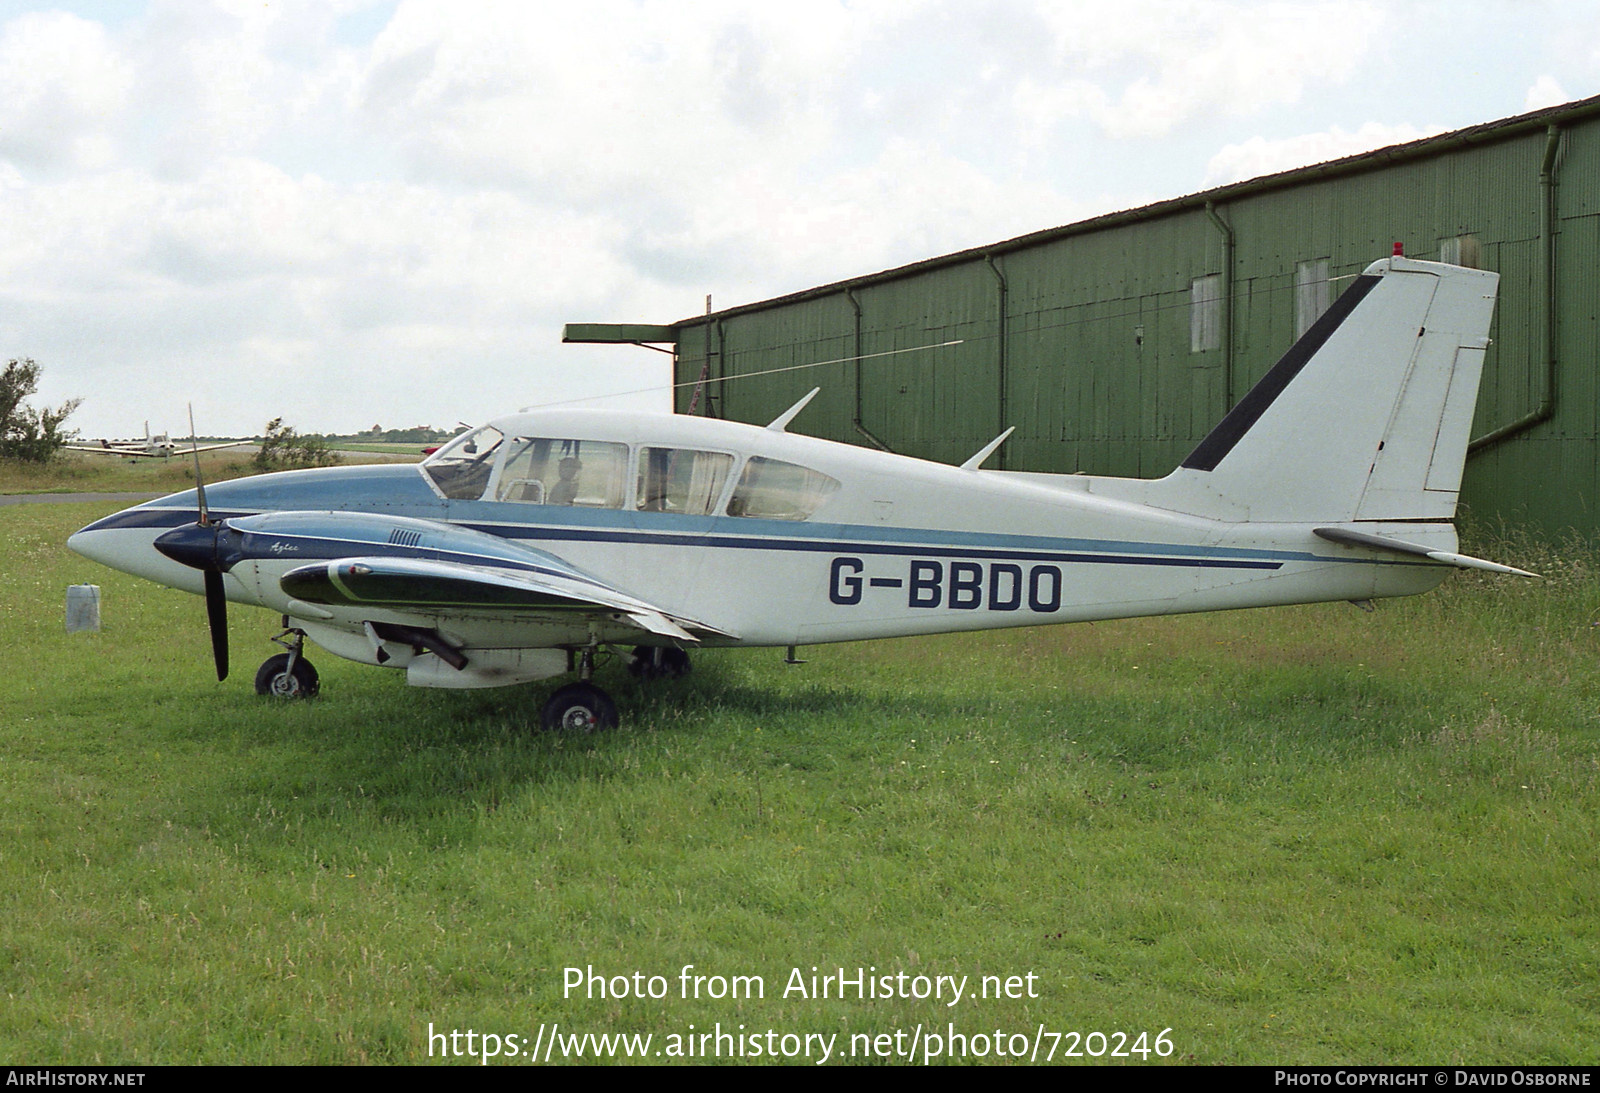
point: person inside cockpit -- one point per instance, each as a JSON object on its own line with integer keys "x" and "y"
{"x": 565, "y": 491}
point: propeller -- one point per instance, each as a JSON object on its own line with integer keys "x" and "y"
{"x": 199, "y": 545}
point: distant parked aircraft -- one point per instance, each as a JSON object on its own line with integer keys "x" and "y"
{"x": 161, "y": 445}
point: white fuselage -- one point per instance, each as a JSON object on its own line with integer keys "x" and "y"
{"x": 902, "y": 546}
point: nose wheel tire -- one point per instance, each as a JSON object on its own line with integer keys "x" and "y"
{"x": 280, "y": 679}
{"x": 579, "y": 707}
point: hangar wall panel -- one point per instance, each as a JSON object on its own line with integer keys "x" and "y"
{"x": 1089, "y": 338}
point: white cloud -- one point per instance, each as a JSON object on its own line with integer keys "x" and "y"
{"x": 606, "y": 102}
{"x": 1260, "y": 156}
{"x": 1544, "y": 92}
{"x": 303, "y": 292}
{"x": 913, "y": 201}
{"x": 233, "y": 77}
{"x": 62, "y": 92}
{"x": 1143, "y": 67}
{"x": 389, "y": 214}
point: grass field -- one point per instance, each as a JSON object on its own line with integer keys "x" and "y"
{"x": 1304, "y": 835}
{"x": 74, "y": 473}
{"x": 71, "y": 472}
{"x": 384, "y": 447}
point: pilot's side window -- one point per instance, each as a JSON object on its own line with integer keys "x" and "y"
{"x": 546, "y": 471}
{"x": 681, "y": 480}
{"x": 461, "y": 468}
{"x": 775, "y": 490}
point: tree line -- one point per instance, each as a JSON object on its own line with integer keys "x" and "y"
{"x": 37, "y": 435}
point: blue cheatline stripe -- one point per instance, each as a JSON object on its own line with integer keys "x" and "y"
{"x": 739, "y": 531}
{"x": 797, "y": 540}
{"x": 319, "y": 547}
{"x": 847, "y": 546}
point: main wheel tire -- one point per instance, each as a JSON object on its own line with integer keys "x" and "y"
{"x": 579, "y": 707}
{"x": 276, "y": 679}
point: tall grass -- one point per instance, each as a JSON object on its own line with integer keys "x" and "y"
{"x": 72, "y": 472}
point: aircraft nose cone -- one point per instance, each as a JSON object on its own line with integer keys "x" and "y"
{"x": 86, "y": 542}
{"x": 192, "y": 545}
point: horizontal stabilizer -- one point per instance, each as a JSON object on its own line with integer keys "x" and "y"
{"x": 1400, "y": 546}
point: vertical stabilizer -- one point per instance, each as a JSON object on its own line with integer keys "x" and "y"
{"x": 1366, "y": 417}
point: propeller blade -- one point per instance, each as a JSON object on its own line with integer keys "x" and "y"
{"x": 217, "y": 616}
{"x": 199, "y": 482}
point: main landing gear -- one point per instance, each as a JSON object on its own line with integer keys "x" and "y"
{"x": 288, "y": 675}
{"x": 581, "y": 706}
{"x": 576, "y": 707}
{"x": 584, "y": 707}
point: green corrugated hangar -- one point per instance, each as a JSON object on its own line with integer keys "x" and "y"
{"x": 1115, "y": 344}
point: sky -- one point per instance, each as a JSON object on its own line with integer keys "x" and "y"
{"x": 350, "y": 213}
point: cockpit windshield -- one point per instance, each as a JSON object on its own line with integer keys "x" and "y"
{"x": 461, "y": 468}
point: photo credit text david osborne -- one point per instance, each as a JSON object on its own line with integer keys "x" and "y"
{"x": 1406, "y": 1077}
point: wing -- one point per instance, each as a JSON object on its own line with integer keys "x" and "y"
{"x": 181, "y": 448}
{"x": 430, "y": 585}
{"x": 140, "y": 451}
{"x": 95, "y": 449}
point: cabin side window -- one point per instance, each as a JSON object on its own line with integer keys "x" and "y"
{"x": 461, "y": 468}
{"x": 554, "y": 471}
{"x": 681, "y": 480}
{"x": 774, "y": 490}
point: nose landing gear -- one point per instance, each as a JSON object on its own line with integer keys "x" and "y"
{"x": 288, "y": 675}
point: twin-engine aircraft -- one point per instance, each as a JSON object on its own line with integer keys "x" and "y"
{"x": 527, "y": 546}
